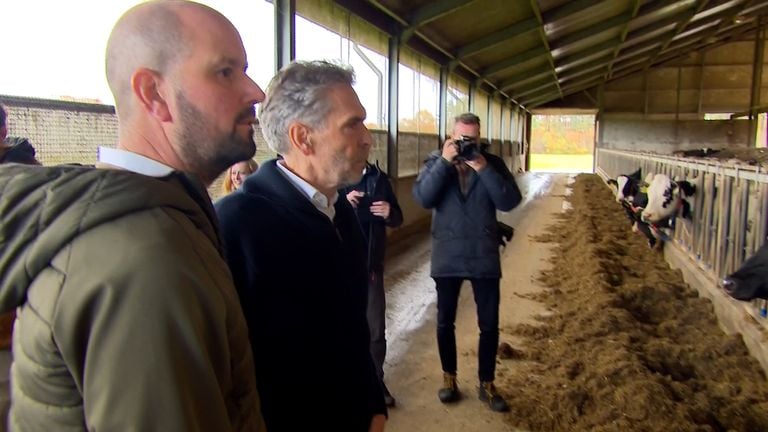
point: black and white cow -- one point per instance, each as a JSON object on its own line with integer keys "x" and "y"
{"x": 627, "y": 185}
{"x": 667, "y": 199}
{"x": 750, "y": 281}
{"x": 631, "y": 192}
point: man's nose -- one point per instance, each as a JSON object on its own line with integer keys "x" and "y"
{"x": 255, "y": 93}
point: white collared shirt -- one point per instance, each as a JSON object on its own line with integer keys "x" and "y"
{"x": 319, "y": 200}
{"x": 133, "y": 162}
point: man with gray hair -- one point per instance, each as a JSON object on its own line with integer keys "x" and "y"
{"x": 128, "y": 318}
{"x": 297, "y": 255}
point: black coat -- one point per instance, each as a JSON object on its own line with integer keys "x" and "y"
{"x": 465, "y": 234}
{"x": 375, "y": 184}
{"x": 302, "y": 282}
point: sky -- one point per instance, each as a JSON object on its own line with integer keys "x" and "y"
{"x": 60, "y": 52}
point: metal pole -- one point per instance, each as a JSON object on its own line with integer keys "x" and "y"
{"x": 285, "y": 32}
{"x": 757, "y": 78}
{"x": 442, "y": 117}
{"x": 392, "y": 126}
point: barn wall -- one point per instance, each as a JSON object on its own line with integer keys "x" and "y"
{"x": 665, "y": 136}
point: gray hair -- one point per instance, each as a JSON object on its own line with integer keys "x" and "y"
{"x": 298, "y": 93}
{"x": 467, "y": 118}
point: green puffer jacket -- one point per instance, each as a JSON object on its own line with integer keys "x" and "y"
{"x": 127, "y": 315}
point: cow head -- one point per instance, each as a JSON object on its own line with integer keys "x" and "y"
{"x": 750, "y": 281}
{"x": 667, "y": 198}
{"x": 627, "y": 185}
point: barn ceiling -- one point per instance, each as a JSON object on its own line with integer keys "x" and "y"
{"x": 536, "y": 52}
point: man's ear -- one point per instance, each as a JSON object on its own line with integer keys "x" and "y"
{"x": 299, "y": 134}
{"x": 146, "y": 86}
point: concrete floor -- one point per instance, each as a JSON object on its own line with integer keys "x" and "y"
{"x": 412, "y": 369}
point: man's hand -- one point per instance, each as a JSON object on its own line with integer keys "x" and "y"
{"x": 381, "y": 209}
{"x": 478, "y": 163}
{"x": 354, "y": 196}
{"x": 377, "y": 423}
{"x": 450, "y": 150}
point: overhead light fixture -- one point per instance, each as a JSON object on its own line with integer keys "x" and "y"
{"x": 738, "y": 19}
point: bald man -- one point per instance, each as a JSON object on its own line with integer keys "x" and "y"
{"x": 127, "y": 314}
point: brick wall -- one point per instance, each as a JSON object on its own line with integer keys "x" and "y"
{"x": 61, "y": 131}
{"x": 71, "y": 132}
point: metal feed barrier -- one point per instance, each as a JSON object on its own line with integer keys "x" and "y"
{"x": 730, "y": 207}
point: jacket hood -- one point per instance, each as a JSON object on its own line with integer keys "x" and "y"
{"x": 42, "y": 209}
{"x": 17, "y": 150}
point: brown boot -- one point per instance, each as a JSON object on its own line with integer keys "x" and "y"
{"x": 450, "y": 391}
{"x": 491, "y": 396}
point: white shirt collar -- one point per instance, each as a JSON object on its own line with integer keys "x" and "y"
{"x": 318, "y": 199}
{"x": 133, "y": 162}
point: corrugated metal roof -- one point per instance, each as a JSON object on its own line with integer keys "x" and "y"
{"x": 538, "y": 51}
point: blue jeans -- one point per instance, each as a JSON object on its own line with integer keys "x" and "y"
{"x": 486, "y": 292}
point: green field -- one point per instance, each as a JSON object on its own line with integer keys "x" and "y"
{"x": 565, "y": 163}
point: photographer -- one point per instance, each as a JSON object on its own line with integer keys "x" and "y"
{"x": 464, "y": 186}
{"x": 377, "y": 208}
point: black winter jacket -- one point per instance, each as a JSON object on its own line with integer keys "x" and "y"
{"x": 303, "y": 286}
{"x": 465, "y": 234}
{"x": 375, "y": 184}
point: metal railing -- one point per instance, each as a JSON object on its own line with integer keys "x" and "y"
{"x": 730, "y": 206}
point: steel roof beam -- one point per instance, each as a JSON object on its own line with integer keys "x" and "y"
{"x": 546, "y": 85}
{"x": 567, "y": 90}
{"x": 525, "y": 77}
{"x": 588, "y": 67}
{"x": 430, "y": 12}
{"x": 546, "y": 97}
{"x": 590, "y": 31}
{"x": 569, "y": 8}
{"x": 676, "y": 54}
{"x": 578, "y": 57}
{"x": 514, "y": 60}
{"x": 521, "y": 27}
{"x": 384, "y": 16}
{"x": 497, "y": 37}
{"x": 705, "y": 22}
{"x": 678, "y": 51}
{"x": 380, "y": 18}
{"x": 544, "y": 41}
{"x": 623, "y": 37}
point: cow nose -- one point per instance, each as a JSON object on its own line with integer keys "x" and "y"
{"x": 729, "y": 285}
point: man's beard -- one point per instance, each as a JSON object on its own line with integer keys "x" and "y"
{"x": 205, "y": 152}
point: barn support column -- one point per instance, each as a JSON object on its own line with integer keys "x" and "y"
{"x": 472, "y": 96}
{"x": 757, "y": 80}
{"x": 442, "y": 117}
{"x": 489, "y": 115}
{"x": 285, "y": 32}
{"x": 528, "y": 124}
{"x": 392, "y": 126}
{"x": 599, "y": 126}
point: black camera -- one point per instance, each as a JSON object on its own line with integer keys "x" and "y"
{"x": 467, "y": 147}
